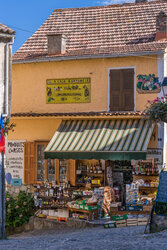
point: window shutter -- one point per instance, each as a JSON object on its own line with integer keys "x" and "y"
{"x": 71, "y": 165}
{"x": 128, "y": 90}
{"x": 122, "y": 90}
{"x": 29, "y": 166}
{"x": 115, "y": 88}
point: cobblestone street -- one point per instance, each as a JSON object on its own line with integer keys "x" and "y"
{"x": 92, "y": 238}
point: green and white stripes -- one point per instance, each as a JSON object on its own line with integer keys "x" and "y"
{"x": 122, "y": 135}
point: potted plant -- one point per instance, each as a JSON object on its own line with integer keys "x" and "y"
{"x": 156, "y": 110}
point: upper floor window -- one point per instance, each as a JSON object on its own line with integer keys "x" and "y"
{"x": 121, "y": 90}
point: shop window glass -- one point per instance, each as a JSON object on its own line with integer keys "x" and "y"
{"x": 63, "y": 171}
{"x": 51, "y": 170}
{"x": 40, "y": 162}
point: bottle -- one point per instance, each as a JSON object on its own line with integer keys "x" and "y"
{"x": 91, "y": 169}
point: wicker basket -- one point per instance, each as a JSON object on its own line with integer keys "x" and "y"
{"x": 141, "y": 91}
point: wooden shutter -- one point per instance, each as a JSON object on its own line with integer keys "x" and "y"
{"x": 115, "y": 88}
{"x": 122, "y": 90}
{"x": 29, "y": 166}
{"x": 71, "y": 169}
{"x": 128, "y": 90}
{"x": 57, "y": 171}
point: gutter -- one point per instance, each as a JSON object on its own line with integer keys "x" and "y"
{"x": 83, "y": 57}
{"x": 7, "y": 61}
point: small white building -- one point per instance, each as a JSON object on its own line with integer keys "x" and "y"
{"x": 6, "y": 41}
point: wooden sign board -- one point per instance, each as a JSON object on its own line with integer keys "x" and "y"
{"x": 74, "y": 90}
{"x": 162, "y": 194}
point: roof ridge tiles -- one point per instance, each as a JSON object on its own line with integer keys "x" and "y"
{"x": 109, "y": 5}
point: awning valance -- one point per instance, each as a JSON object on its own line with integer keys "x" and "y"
{"x": 121, "y": 139}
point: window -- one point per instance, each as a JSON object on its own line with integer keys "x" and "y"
{"x": 63, "y": 171}
{"x": 121, "y": 90}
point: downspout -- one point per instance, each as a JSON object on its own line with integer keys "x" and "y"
{"x": 161, "y": 68}
{"x": 7, "y": 61}
{"x": 165, "y": 129}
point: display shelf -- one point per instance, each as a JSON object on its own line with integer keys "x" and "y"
{"x": 149, "y": 187}
{"x": 95, "y": 174}
{"x": 146, "y": 175}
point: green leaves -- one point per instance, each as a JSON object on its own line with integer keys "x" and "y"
{"x": 19, "y": 209}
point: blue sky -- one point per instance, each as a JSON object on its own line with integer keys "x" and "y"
{"x": 25, "y": 17}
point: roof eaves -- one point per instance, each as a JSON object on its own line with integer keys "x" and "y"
{"x": 67, "y": 58}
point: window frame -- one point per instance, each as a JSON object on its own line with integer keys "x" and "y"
{"x": 108, "y": 98}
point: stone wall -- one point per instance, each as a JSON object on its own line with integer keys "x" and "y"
{"x": 158, "y": 223}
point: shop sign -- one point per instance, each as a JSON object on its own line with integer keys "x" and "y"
{"x": 14, "y": 160}
{"x": 74, "y": 90}
{"x": 156, "y": 153}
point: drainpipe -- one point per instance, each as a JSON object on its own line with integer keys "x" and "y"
{"x": 7, "y": 62}
{"x": 162, "y": 137}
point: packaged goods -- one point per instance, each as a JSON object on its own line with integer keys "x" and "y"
{"x": 134, "y": 208}
{"x": 119, "y": 217}
{"x": 95, "y": 181}
{"x": 109, "y": 224}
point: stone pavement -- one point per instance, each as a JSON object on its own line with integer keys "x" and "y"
{"x": 127, "y": 238}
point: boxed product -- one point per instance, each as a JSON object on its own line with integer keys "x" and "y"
{"x": 109, "y": 224}
{"x": 119, "y": 217}
{"x": 87, "y": 193}
{"x": 89, "y": 208}
{"x": 77, "y": 192}
{"x": 95, "y": 181}
{"x": 81, "y": 202}
{"x": 134, "y": 208}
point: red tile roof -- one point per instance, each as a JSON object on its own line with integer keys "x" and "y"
{"x": 100, "y": 113}
{"x": 5, "y": 29}
{"x": 112, "y": 29}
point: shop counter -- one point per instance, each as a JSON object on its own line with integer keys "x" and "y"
{"x": 90, "y": 213}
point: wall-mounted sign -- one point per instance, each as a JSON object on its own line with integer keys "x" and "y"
{"x": 148, "y": 84}
{"x": 74, "y": 90}
{"x": 156, "y": 153}
{"x": 15, "y": 159}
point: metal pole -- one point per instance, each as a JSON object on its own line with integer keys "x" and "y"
{"x": 0, "y": 196}
{"x": 3, "y": 198}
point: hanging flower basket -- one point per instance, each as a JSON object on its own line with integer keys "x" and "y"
{"x": 157, "y": 110}
{"x": 164, "y": 117}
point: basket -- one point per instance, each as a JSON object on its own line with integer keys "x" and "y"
{"x": 141, "y": 91}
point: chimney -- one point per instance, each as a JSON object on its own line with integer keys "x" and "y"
{"x": 56, "y": 43}
{"x": 161, "y": 26}
{"x": 141, "y": 1}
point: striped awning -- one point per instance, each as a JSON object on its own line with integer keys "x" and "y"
{"x": 100, "y": 139}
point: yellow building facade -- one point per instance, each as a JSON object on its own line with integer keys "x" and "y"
{"x": 107, "y": 74}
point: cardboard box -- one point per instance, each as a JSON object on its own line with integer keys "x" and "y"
{"x": 119, "y": 217}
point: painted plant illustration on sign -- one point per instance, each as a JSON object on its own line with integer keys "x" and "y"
{"x": 148, "y": 84}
